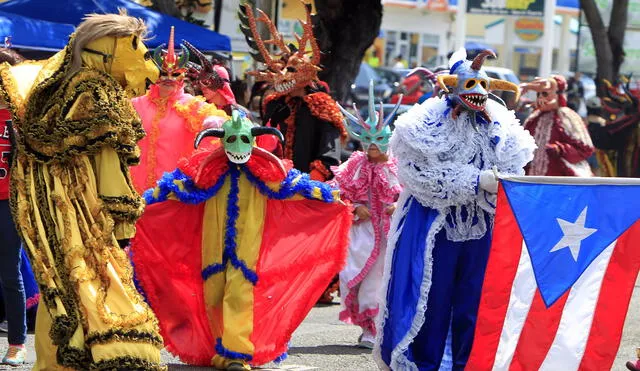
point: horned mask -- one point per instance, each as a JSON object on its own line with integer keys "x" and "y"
{"x": 468, "y": 85}
{"x": 238, "y": 134}
{"x": 375, "y": 129}
{"x": 291, "y": 67}
{"x": 172, "y": 68}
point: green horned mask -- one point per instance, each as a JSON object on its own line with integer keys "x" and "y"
{"x": 238, "y": 136}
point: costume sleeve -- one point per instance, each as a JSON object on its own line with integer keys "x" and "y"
{"x": 101, "y": 109}
{"x": 276, "y": 111}
{"x": 115, "y": 190}
{"x": 428, "y": 167}
{"x": 328, "y": 152}
{"x": 513, "y": 145}
{"x": 602, "y": 136}
{"x": 575, "y": 143}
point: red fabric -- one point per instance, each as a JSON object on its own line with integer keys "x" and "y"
{"x": 5, "y": 150}
{"x": 615, "y": 294}
{"x": 304, "y": 246}
{"x": 538, "y": 333}
{"x": 412, "y": 92}
{"x": 560, "y": 146}
{"x": 494, "y": 302}
{"x": 166, "y": 253}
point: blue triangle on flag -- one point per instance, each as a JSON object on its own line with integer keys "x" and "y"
{"x": 561, "y": 241}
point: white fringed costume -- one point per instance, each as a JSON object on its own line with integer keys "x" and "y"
{"x": 440, "y": 234}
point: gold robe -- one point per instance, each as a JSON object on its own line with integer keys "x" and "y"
{"x": 72, "y": 199}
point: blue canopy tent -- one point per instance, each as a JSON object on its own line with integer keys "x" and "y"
{"x": 34, "y": 34}
{"x": 72, "y": 12}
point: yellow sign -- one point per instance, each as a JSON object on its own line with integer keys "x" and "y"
{"x": 529, "y": 29}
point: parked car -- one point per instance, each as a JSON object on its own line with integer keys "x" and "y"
{"x": 392, "y": 76}
{"x": 360, "y": 87}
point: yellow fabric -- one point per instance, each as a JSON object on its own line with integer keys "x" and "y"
{"x": 113, "y": 181}
{"x": 228, "y": 295}
{"x": 72, "y": 199}
{"x": 94, "y": 266}
{"x": 124, "y": 62}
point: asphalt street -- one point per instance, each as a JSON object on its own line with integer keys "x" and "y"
{"x": 324, "y": 343}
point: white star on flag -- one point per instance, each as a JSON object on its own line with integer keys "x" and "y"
{"x": 573, "y": 234}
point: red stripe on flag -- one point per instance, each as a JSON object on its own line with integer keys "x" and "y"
{"x": 538, "y": 333}
{"x": 613, "y": 302}
{"x": 496, "y": 290}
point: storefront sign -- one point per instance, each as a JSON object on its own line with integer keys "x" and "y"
{"x": 527, "y": 8}
{"x": 529, "y": 29}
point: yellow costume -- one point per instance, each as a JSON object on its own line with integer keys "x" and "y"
{"x": 73, "y": 200}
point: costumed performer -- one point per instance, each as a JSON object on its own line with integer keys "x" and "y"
{"x": 613, "y": 124}
{"x": 170, "y": 117}
{"x": 563, "y": 141}
{"x": 369, "y": 180}
{"x": 448, "y": 149}
{"x": 247, "y": 246}
{"x": 308, "y": 117}
{"x": 12, "y": 298}
{"x": 72, "y": 199}
{"x": 211, "y": 80}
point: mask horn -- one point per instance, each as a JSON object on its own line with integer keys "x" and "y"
{"x": 392, "y": 114}
{"x": 505, "y": 85}
{"x": 347, "y": 114}
{"x": 479, "y": 59}
{"x": 263, "y": 130}
{"x": 372, "y": 104}
{"x": 184, "y": 57}
{"x": 157, "y": 56}
{"x": 446, "y": 81}
{"x": 218, "y": 133}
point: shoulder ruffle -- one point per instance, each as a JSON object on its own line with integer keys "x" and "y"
{"x": 357, "y": 177}
{"x": 322, "y": 106}
{"x": 514, "y": 146}
{"x": 85, "y": 113}
{"x": 574, "y": 126}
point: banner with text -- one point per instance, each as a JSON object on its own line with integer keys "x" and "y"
{"x": 525, "y": 8}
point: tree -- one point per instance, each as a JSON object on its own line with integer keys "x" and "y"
{"x": 608, "y": 42}
{"x": 345, "y": 30}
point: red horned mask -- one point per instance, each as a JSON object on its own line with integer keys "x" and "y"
{"x": 290, "y": 68}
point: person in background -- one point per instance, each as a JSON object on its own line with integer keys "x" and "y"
{"x": 171, "y": 118}
{"x": 373, "y": 60}
{"x": 575, "y": 91}
{"x": 399, "y": 62}
{"x": 10, "y": 251}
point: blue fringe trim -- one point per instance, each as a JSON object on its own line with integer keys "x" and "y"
{"x": 304, "y": 187}
{"x": 190, "y": 194}
{"x": 229, "y": 354}
{"x": 281, "y": 358}
{"x": 233, "y": 211}
{"x": 212, "y": 269}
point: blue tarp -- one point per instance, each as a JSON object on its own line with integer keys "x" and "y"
{"x": 72, "y": 12}
{"x": 34, "y": 34}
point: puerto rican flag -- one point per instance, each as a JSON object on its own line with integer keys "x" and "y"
{"x": 565, "y": 257}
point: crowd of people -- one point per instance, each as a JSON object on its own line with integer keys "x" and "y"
{"x": 157, "y": 212}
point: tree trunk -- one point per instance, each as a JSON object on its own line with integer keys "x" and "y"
{"x": 345, "y": 29}
{"x": 608, "y": 43}
{"x": 167, "y": 7}
{"x": 616, "y": 33}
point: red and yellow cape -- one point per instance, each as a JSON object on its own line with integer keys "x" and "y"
{"x": 233, "y": 257}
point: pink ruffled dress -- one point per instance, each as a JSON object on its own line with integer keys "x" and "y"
{"x": 376, "y": 186}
